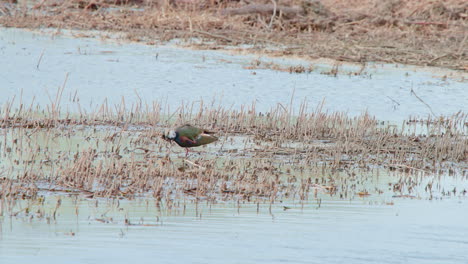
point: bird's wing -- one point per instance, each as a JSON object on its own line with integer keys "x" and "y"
{"x": 205, "y": 139}
{"x": 189, "y": 131}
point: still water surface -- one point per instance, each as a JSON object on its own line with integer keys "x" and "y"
{"x": 361, "y": 231}
{"x": 373, "y": 229}
{"x": 106, "y": 69}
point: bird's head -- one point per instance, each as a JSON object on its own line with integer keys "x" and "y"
{"x": 169, "y": 136}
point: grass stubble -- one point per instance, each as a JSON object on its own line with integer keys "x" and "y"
{"x": 117, "y": 151}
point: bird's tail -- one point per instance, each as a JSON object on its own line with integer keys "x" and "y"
{"x": 208, "y": 132}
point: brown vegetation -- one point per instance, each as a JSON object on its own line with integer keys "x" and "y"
{"x": 117, "y": 152}
{"x": 416, "y": 32}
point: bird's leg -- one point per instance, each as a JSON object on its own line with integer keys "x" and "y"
{"x": 186, "y": 152}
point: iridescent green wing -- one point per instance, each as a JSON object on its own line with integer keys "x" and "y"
{"x": 189, "y": 131}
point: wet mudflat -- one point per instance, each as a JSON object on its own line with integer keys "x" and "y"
{"x": 86, "y": 176}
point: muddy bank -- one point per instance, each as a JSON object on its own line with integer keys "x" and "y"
{"x": 409, "y": 32}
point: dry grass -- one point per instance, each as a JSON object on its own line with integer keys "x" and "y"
{"x": 411, "y": 32}
{"x": 117, "y": 152}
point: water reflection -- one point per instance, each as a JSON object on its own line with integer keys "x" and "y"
{"x": 416, "y": 231}
{"x": 386, "y": 226}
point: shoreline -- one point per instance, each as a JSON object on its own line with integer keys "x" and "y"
{"x": 428, "y": 44}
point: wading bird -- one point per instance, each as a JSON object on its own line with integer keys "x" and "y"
{"x": 188, "y": 136}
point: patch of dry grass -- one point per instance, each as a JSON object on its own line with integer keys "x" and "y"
{"x": 117, "y": 152}
{"x": 412, "y": 32}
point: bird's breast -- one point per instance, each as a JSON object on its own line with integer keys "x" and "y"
{"x": 185, "y": 142}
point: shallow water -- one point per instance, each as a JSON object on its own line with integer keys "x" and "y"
{"x": 361, "y": 231}
{"x": 376, "y": 228}
{"x": 106, "y": 69}
{"x": 379, "y": 228}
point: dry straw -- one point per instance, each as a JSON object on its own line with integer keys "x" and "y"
{"x": 117, "y": 152}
